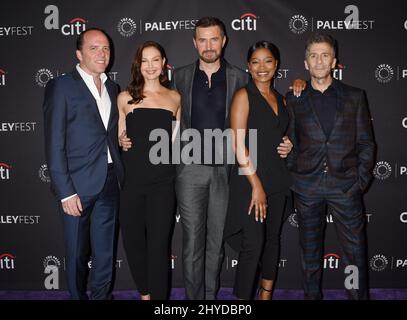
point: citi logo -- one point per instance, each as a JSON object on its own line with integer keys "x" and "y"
{"x": 4, "y": 171}
{"x": 74, "y": 27}
{"x": 173, "y": 257}
{"x": 170, "y": 70}
{"x": 331, "y": 261}
{"x": 2, "y": 77}
{"x": 338, "y": 72}
{"x": 246, "y": 22}
{"x": 7, "y": 261}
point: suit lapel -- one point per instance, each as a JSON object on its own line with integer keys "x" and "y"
{"x": 113, "y": 109}
{"x": 230, "y": 85}
{"x": 339, "y": 108}
{"x": 188, "y": 84}
{"x": 309, "y": 105}
{"x": 83, "y": 88}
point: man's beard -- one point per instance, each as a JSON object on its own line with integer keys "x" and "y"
{"x": 213, "y": 59}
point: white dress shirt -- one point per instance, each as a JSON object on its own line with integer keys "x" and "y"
{"x": 103, "y": 102}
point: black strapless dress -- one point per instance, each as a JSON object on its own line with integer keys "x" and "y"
{"x": 147, "y": 207}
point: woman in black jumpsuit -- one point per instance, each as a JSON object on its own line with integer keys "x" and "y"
{"x": 147, "y": 207}
{"x": 259, "y": 192}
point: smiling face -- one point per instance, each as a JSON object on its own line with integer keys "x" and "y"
{"x": 320, "y": 60}
{"x": 95, "y": 53}
{"x": 262, "y": 65}
{"x": 152, "y": 63}
{"x": 209, "y": 43}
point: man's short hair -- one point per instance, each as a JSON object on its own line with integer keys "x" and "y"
{"x": 79, "y": 39}
{"x": 320, "y": 38}
{"x": 206, "y": 22}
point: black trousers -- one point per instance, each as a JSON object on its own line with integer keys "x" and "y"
{"x": 146, "y": 220}
{"x": 260, "y": 246}
{"x": 347, "y": 214}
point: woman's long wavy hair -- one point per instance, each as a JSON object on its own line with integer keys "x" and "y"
{"x": 136, "y": 86}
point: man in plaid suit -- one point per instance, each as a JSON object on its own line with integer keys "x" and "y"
{"x": 331, "y": 164}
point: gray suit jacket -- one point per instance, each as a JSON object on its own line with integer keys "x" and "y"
{"x": 182, "y": 81}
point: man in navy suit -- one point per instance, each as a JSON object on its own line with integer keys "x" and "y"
{"x": 331, "y": 163}
{"x": 81, "y": 142}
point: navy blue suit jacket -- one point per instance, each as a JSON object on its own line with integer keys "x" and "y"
{"x": 346, "y": 156}
{"x": 75, "y": 138}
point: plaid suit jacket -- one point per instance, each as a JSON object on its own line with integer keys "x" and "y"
{"x": 345, "y": 157}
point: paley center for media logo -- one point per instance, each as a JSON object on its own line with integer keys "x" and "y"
{"x": 44, "y": 174}
{"x": 298, "y": 23}
{"x": 384, "y": 73}
{"x": 126, "y": 27}
{"x": 380, "y": 262}
{"x": 42, "y": 77}
{"x": 246, "y": 22}
{"x": 5, "y": 171}
{"x": 52, "y": 266}
{"x": 383, "y": 170}
{"x": 72, "y": 28}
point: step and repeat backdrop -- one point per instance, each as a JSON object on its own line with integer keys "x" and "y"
{"x": 37, "y": 43}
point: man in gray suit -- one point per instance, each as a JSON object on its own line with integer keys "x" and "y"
{"x": 206, "y": 87}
